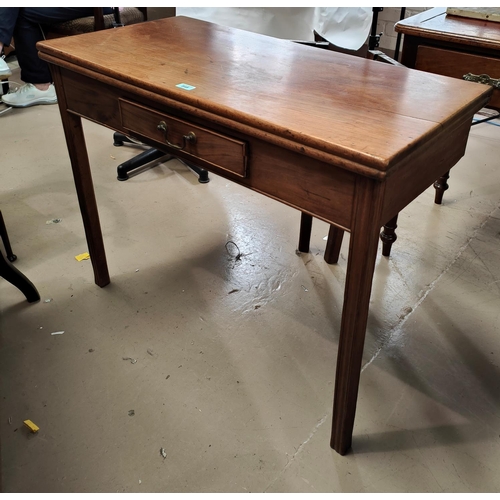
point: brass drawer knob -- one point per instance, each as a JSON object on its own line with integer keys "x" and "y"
{"x": 485, "y": 79}
{"x": 188, "y": 138}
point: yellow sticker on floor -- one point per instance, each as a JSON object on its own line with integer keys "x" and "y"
{"x": 31, "y": 426}
{"x": 82, "y": 256}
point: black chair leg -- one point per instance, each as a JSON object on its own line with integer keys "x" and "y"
{"x": 201, "y": 172}
{"x": 136, "y": 162}
{"x": 119, "y": 139}
{"x": 18, "y": 279}
{"x": 5, "y": 86}
{"x": 10, "y": 273}
{"x": 5, "y": 239}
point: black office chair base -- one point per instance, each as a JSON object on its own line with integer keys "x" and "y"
{"x": 137, "y": 163}
{"x": 119, "y": 139}
{"x": 201, "y": 172}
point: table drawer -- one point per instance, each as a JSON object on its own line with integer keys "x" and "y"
{"x": 187, "y": 140}
{"x": 457, "y": 64}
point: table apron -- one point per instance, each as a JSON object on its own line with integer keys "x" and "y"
{"x": 321, "y": 189}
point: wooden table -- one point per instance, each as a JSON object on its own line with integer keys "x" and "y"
{"x": 452, "y": 46}
{"x": 455, "y": 46}
{"x": 344, "y": 139}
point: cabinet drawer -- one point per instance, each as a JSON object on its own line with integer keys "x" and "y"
{"x": 457, "y": 64}
{"x": 185, "y": 139}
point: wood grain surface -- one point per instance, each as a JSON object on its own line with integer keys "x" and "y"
{"x": 358, "y": 109}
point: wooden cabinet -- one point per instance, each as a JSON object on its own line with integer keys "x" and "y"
{"x": 454, "y": 46}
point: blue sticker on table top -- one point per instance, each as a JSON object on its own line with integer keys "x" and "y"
{"x": 185, "y": 86}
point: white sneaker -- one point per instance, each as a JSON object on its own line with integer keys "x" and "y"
{"x": 4, "y": 69}
{"x": 28, "y": 95}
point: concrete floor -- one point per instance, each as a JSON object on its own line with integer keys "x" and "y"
{"x": 236, "y": 358}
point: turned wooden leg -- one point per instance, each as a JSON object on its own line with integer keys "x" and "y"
{"x": 388, "y": 236}
{"x": 332, "y": 251}
{"x": 306, "y": 221}
{"x": 441, "y": 186}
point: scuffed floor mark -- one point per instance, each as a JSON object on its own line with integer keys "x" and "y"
{"x": 297, "y": 451}
{"x": 397, "y": 329}
{"x": 267, "y": 290}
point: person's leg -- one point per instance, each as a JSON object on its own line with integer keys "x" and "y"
{"x": 8, "y": 18}
{"x": 35, "y": 72}
{"x": 28, "y": 32}
{"x": 26, "y": 36}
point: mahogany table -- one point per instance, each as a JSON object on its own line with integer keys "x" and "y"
{"x": 347, "y": 140}
{"x": 456, "y": 46}
{"x": 451, "y": 45}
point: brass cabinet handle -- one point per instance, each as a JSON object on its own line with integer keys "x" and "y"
{"x": 485, "y": 79}
{"x": 188, "y": 138}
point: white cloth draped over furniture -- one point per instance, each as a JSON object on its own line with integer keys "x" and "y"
{"x": 345, "y": 27}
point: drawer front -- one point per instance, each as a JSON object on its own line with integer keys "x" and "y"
{"x": 185, "y": 139}
{"x": 457, "y": 64}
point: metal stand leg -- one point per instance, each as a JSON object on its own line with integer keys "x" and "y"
{"x": 148, "y": 156}
{"x": 137, "y": 162}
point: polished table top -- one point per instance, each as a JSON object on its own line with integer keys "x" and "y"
{"x": 348, "y": 140}
{"x": 367, "y": 112}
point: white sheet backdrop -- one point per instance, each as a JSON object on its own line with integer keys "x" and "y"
{"x": 346, "y": 27}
